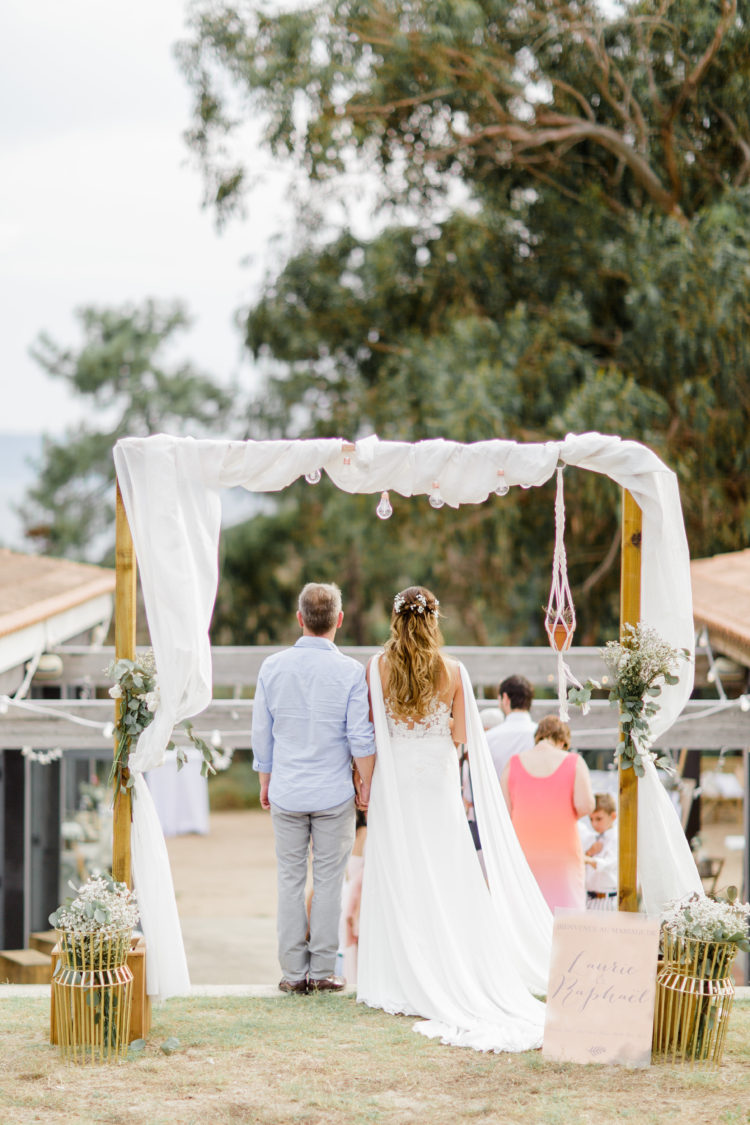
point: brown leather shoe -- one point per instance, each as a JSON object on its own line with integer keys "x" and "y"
{"x": 327, "y": 984}
{"x": 299, "y": 986}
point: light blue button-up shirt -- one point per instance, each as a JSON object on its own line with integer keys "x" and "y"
{"x": 310, "y": 718}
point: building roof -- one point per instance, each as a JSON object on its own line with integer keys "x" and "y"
{"x": 34, "y": 588}
{"x": 721, "y": 602}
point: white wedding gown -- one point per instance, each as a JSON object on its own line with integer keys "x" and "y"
{"x": 434, "y": 940}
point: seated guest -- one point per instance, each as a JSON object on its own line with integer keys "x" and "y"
{"x": 547, "y": 789}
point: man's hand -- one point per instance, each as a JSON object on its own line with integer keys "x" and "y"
{"x": 265, "y": 781}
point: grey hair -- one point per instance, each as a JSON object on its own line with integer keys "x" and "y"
{"x": 319, "y": 606}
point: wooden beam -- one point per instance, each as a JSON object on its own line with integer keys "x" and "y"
{"x": 233, "y": 717}
{"x": 125, "y": 611}
{"x": 630, "y": 614}
{"x": 238, "y": 667}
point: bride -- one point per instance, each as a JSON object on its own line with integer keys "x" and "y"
{"x": 435, "y": 940}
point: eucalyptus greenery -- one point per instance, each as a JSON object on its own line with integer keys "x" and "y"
{"x": 641, "y": 662}
{"x": 137, "y": 687}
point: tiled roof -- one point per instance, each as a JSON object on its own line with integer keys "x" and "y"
{"x": 721, "y": 601}
{"x": 33, "y": 588}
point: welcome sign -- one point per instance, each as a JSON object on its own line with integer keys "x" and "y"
{"x": 602, "y": 987}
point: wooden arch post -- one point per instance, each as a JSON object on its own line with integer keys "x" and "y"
{"x": 125, "y": 575}
{"x": 630, "y": 614}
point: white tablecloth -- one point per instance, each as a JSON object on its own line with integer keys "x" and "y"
{"x": 180, "y": 796}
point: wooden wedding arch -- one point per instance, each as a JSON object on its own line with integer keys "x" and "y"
{"x": 630, "y": 613}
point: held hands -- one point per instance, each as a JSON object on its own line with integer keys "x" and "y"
{"x": 361, "y": 790}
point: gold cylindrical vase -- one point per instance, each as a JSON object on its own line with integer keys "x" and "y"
{"x": 694, "y": 994}
{"x": 93, "y": 996}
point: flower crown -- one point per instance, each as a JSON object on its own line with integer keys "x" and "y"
{"x": 418, "y": 605}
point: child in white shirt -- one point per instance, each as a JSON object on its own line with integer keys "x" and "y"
{"x": 600, "y": 857}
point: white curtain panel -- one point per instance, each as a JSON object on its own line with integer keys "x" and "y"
{"x": 170, "y": 488}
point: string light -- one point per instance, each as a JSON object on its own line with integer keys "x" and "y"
{"x": 42, "y": 757}
{"x": 314, "y": 476}
{"x": 384, "y": 509}
{"x": 502, "y": 488}
{"x": 436, "y": 500}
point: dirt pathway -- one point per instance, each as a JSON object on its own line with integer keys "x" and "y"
{"x": 225, "y": 884}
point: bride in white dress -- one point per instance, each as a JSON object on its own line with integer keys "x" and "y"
{"x": 435, "y": 940}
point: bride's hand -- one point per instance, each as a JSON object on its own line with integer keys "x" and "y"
{"x": 362, "y": 798}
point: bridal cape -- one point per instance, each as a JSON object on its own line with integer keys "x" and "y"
{"x": 435, "y": 941}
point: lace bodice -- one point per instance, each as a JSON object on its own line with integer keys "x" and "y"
{"x": 436, "y": 722}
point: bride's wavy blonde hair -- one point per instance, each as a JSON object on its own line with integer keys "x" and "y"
{"x": 415, "y": 667}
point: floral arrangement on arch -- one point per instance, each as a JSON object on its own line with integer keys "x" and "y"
{"x": 137, "y": 687}
{"x": 641, "y": 662}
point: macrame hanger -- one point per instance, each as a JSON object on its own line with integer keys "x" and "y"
{"x": 560, "y": 616}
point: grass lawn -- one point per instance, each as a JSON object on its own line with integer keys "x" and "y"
{"x": 324, "y": 1060}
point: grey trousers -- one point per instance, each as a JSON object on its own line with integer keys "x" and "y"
{"x": 332, "y": 834}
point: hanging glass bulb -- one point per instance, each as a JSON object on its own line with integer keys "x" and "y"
{"x": 313, "y": 476}
{"x": 502, "y": 488}
{"x": 525, "y": 486}
{"x": 436, "y": 500}
{"x": 384, "y": 509}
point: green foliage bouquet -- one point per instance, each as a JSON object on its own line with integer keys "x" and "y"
{"x": 640, "y": 663}
{"x": 137, "y": 685}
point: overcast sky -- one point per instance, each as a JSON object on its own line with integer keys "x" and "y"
{"x": 98, "y": 202}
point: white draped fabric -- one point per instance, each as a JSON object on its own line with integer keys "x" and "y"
{"x": 170, "y": 488}
{"x": 433, "y": 940}
{"x": 166, "y": 964}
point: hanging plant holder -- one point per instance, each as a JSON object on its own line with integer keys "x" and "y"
{"x": 560, "y": 614}
{"x": 560, "y": 634}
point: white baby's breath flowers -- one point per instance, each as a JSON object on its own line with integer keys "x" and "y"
{"x": 151, "y": 699}
{"x": 706, "y": 919}
{"x": 418, "y": 605}
{"x": 102, "y": 906}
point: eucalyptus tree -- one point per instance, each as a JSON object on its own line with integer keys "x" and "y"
{"x": 567, "y": 247}
{"x": 127, "y": 387}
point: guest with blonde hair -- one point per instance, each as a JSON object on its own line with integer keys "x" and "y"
{"x": 547, "y": 789}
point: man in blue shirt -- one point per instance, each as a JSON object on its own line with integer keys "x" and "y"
{"x": 311, "y": 717}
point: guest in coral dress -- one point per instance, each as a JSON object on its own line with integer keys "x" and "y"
{"x": 547, "y": 789}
